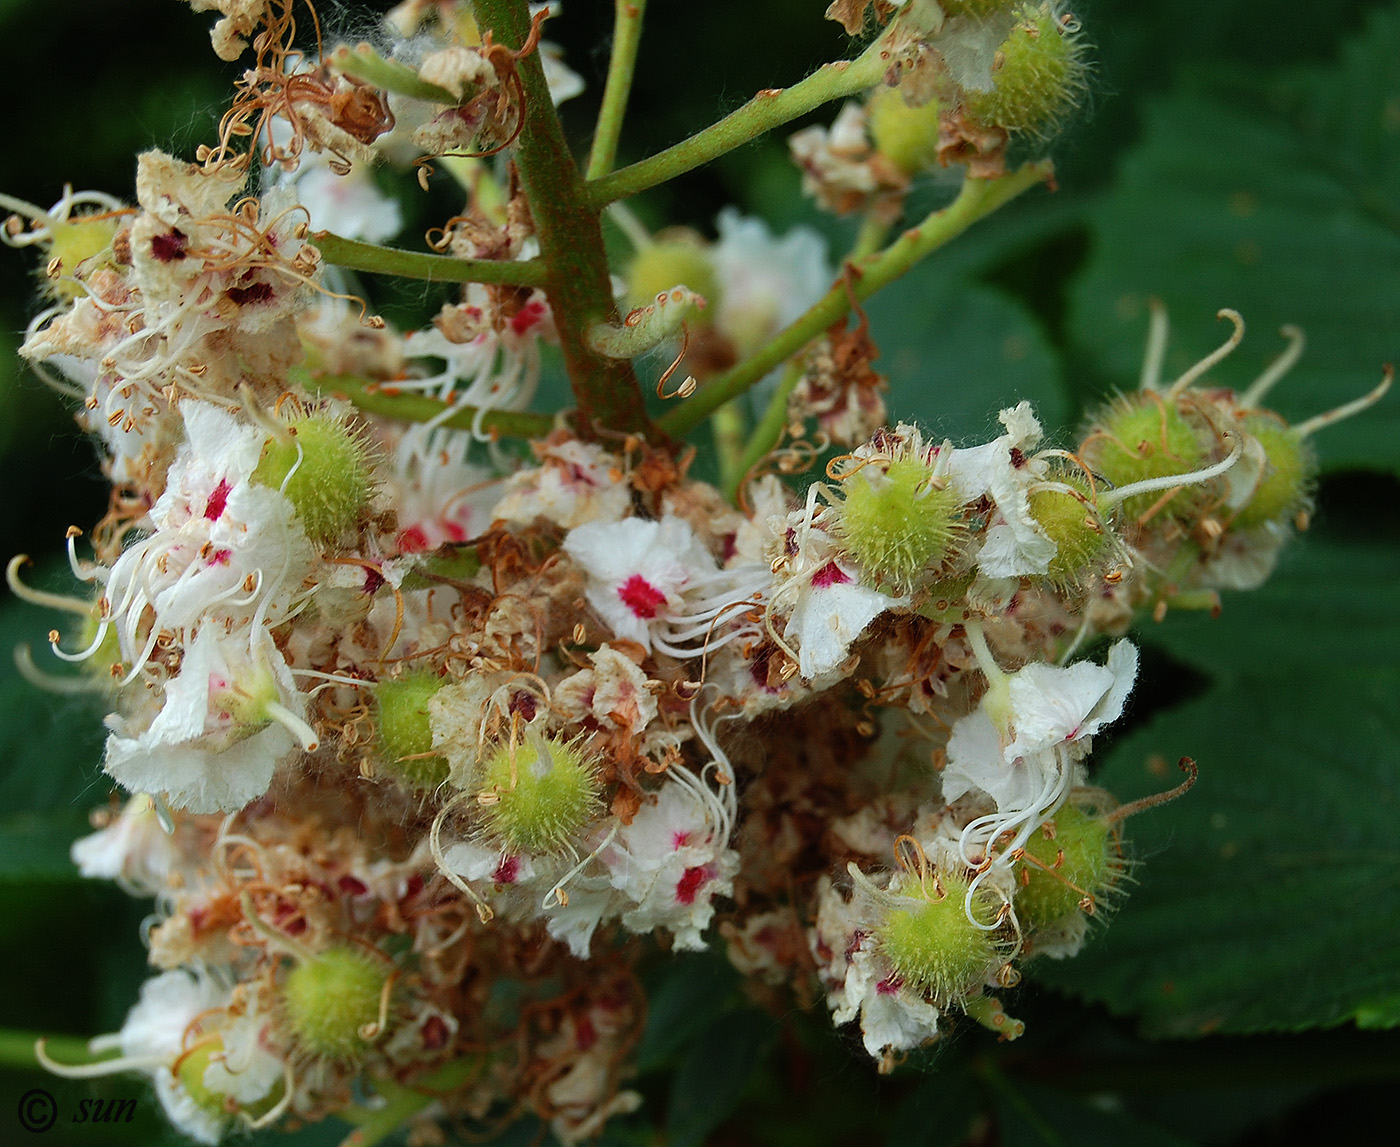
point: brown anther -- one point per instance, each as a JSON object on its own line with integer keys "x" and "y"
{"x": 866, "y": 728}
{"x": 1113, "y": 577}
{"x": 53, "y": 637}
{"x": 72, "y": 532}
{"x": 1159, "y": 611}
{"x": 55, "y": 265}
{"x": 1302, "y": 520}
{"x": 580, "y": 634}
{"x": 788, "y": 671}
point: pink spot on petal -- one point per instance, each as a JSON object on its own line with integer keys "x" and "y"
{"x": 527, "y": 316}
{"x": 435, "y": 1033}
{"x": 889, "y": 986}
{"x": 691, "y": 881}
{"x": 641, "y": 597}
{"x": 508, "y": 871}
{"x": 829, "y": 575}
{"x": 680, "y": 839}
{"x": 218, "y": 499}
{"x": 352, "y": 885}
{"x": 413, "y": 540}
{"x": 220, "y": 557}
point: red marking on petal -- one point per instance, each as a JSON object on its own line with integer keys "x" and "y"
{"x": 413, "y": 540}
{"x": 352, "y": 885}
{"x": 889, "y": 986}
{"x": 680, "y": 839}
{"x": 435, "y": 1033}
{"x": 641, "y": 597}
{"x": 829, "y": 575}
{"x": 220, "y": 557}
{"x": 218, "y": 499}
{"x": 584, "y": 1032}
{"x": 508, "y": 871}
{"x": 374, "y": 581}
{"x": 253, "y": 293}
{"x": 169, "y": 246}
{"x": 527, "y": 316}
{"x": 691, "y": 881}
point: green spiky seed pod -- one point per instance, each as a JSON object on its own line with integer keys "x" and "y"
{"x": 1080, "y": 860}
{"x": 907, "y": 137}
{"x": 331, "y": 998}
{"x": 899, "y": 523}
{"x": 935, "y": 948}
{"x": 1037, "y": 75}
{"x": 667, "y": 262}
{"x": 1288, "y": 476}
{"x": 72, "y": 244}
{"x": 538, "y": 794}
{"x": 190, "y": 1073}
{"x": 331, "y": 488}
{"x": 1070, "y": 521}
{"x": 405, "y": 731}
{"x": 1142, "y": 437}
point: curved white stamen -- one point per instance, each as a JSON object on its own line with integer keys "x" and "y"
{"x": 1276, "y": 369}
{"x": 97, "y": 641}
{"x": 43, "y": 597}
{"x": 484, "y": 911}
{"x": 1346, "y": 410}
{"x": 273, "y": 1114}
{"x": 65, "y": 686}
{"x": 96, "y": 1070}
{"x": 556, "y": 895}
{"x": 1215, "y": 356}
{"x": 294, "y": 724}
{"x": 1110, "y": 498}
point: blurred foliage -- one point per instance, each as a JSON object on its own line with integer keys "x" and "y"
{"x": 1242, "y": 154}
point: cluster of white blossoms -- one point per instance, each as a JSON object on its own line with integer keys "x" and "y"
{"x": 418, "y": 735}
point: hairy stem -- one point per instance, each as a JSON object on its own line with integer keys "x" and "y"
{"x": 571, "y": 241}
{"x": 627, "y": 34}
{"x": 359, "y": 256}
{"x": 978, "y": 198}
{"x": 767, "y": 110}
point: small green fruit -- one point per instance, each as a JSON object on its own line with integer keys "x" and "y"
{"x": 330, "y": 998}
{"x": 935, "y": 948}
{"x": 907, "y": 137}
{"x": 1288, "y": 475}
{"x": 1078, "y": 861}
{"x": 667, "y": 262}
{"x": 538, "y": 794}
{"x": 899, "y": 522}
{"x": 331, "y": 488}
{"x": 405, "y": 729}
{"x": 1142, "y": 437}
{"x": 1036, "y": 77}
{"x": 1069, "y": 520}
{"x": 73, "y": 243}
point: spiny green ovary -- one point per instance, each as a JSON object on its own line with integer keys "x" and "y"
{"x": 72, "y": 244}
{"x": 405, "y": 730}
{"x": 907, "y": 137}
{"x": 331, "y": 488}
{"x": 1071, "y": 523}
{"x": 329, "y": 998}
{"x": 1076, "y": 863}
{"x": 1036, "y": 77}
{"x": 668, "y": 262}
{"x": 191, "y": 1071}
{"x": 900, "y": 523}
{"x": 1288, "y": 475}
{"x": 935, "y": 948}
{"x": 1143, "y": 437}
{"x": 549, "y": 795}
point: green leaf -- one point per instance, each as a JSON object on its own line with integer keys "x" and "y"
{"x": 714, "y": 1073}
{"x": 1269, "y": 896}
{"x": 957, "y": 352}
{"x": 687, "y": 993}
{"x": 1030, "y": 1116}
{"x": 1221, "y": 206}
{"x": 1331, "y": 601}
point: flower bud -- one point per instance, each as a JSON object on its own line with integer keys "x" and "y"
{"x": 1072, "y": 860}
{"x": 1283, "y": 490}
{"x": 899, "y": 520}
{"x": 330, "y": 474}
{"x": 538, "y": 794}
{"x": 405, "y": 731}
{"x": 1037, "y": 74}
{"x": 332, "y": 999}
{"x": 907, "y": 137}
{"x": 933, "y": 945}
